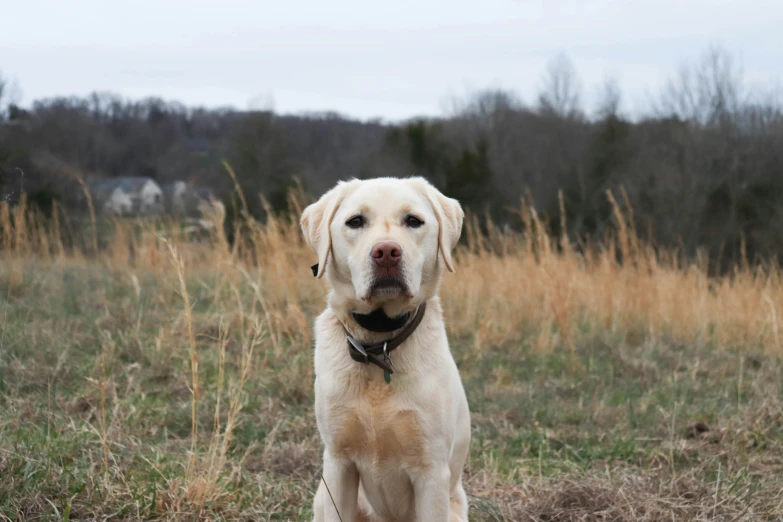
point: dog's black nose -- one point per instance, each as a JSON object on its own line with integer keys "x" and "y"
{"x": 386, "y": 254}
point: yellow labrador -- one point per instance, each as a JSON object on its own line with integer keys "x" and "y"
{"x": 389, "y": 403}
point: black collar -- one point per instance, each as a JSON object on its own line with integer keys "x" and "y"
{"x": 378, "y": 353}
{"x": 378, "y": 321}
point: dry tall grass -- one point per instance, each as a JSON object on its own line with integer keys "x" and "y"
{"x": 511, "y": 289}
{"x": 525, "y": 287}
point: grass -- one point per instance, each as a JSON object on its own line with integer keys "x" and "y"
{"x": 172, "y": 379}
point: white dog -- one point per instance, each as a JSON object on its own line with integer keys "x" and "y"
{"x": 389, "y": 402}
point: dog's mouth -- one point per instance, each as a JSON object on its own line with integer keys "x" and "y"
{"x": 388, "y": 286}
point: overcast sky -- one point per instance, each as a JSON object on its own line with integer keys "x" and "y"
{"x": 387, "y": 59}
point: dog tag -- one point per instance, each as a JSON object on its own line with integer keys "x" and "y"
{"x": 387, "y": 376}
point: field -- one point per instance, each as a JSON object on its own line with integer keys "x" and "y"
{"x": 171, "y": 379}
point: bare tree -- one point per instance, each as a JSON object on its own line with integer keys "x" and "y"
{"x": 9, "y": 96}
{"x": 609, "y": 100}
{"x": 706, "y": 92}
{"x": 561, "y": 90}
{"x": 3, "y": 87}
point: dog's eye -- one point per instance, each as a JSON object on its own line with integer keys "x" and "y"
{"x": 413, "y": 222}
{"x": 355, "y": 222}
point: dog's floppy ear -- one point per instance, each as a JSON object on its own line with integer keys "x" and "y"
{"x": 449, "y": 213}
{"x": 315, "y": 223}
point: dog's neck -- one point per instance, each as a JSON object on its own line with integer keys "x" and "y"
{"x": 370, "y": 325}
{"x": 378, "y": 321}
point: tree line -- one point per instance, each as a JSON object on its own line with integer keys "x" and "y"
{"x": 703, "y": 169}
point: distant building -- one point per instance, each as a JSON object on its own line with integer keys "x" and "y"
{"x": 182, "y": 198}
{"x": 127, "y": 196}
{"x": 174, "y": 197}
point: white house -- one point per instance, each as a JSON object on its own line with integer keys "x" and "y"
{"x": 127, "y": 196}
{"x": 175, "y": 197}
{"x": 185, "y": 199}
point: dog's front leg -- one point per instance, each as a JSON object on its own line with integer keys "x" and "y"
{"x": 432, "y": 496}
{"x": 342, "y": 481}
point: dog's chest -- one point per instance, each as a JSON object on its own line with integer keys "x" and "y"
{"x": 375, "y": 429}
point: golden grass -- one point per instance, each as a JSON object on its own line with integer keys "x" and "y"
{"x": 509, "y": 286}
{"x": 511, "y": 289}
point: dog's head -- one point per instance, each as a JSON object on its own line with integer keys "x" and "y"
{"x": 383, "y": 241}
